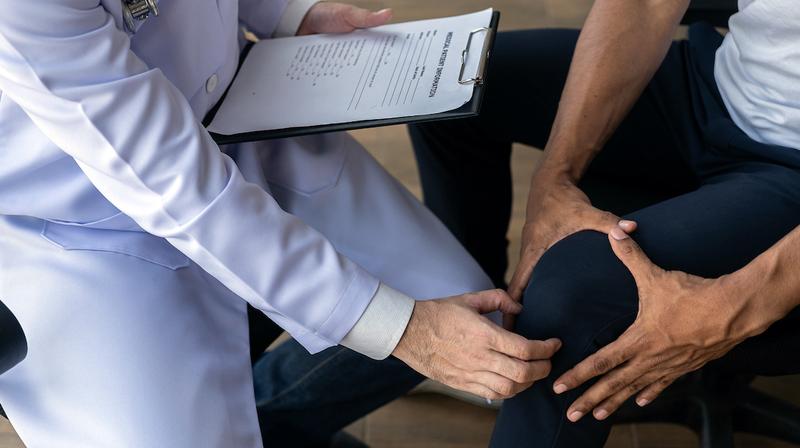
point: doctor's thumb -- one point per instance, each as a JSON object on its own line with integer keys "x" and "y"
{"x": 363, "y": 18}
{"x": 494, "y": 300}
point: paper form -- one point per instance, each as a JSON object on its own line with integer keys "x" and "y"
{"x": 398, "y": 70}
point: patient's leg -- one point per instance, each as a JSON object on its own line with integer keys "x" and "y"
{"x": 581, "y": 293}
{"x": 465, "y": 164}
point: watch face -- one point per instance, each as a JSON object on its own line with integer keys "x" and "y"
{"x": 137, "y": 11}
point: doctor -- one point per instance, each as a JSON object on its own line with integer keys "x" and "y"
{"x": 130, "y": 243}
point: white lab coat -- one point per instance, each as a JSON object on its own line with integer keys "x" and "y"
{"x": 129, "y": 237}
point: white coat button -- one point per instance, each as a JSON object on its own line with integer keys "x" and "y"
{"x": 212, "y": 83}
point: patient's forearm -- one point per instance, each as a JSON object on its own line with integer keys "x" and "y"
{"x": 622, "y": 44}
{"x": 770, "y": 283}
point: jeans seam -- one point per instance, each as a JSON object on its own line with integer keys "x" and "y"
{"x": 302, "y": 379}
{"x": 585, "y": 349}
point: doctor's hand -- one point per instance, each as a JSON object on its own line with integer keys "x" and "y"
{"x": 450, "y": 341}
{"x": 325, "y": 17}
{"x": 684, "y": 322}
{"x": 556, "y": 209}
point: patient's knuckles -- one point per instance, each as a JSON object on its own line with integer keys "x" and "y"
{"x": 615, "y": 385}
{"x": 608, "y": 219}
{"x": 601, "y": 365}
{"x": 584, "y": 404}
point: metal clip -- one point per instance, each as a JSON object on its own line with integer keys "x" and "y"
{"x": 478, "y": 79}
{"x": 137, "y": 11}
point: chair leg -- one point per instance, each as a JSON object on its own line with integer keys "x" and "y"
{"x": 715, "y": 424}
{"x": 758, "y": 413}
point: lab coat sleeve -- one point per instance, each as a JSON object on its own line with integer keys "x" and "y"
{"x": 274, "y": 18}
{"x": 136, "y": 139}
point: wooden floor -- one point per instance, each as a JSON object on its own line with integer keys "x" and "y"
{"x": 427, "y": 421}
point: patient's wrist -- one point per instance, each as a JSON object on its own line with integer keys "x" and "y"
{"x": 751, "y": 291}
{"x": 552, "y": 173}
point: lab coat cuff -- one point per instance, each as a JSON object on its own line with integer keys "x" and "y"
{"x": 293, "y": 16}
{"x": 378, "y": 331}
{"x": 351, "y": 306}
{"x": 262, "y": 16}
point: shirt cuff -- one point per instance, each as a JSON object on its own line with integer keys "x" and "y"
{"x": 293, "y": 16}
{"x": 378, "y": 331}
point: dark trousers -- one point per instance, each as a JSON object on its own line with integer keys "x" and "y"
{"x": 303, "y": 400}
{"x": 707, "y": 199}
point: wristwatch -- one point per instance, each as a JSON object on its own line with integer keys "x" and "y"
{"x": 137, "y": 11}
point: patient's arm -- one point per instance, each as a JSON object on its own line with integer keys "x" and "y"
{"x": 622, "y": 44}
{"x": 684, "y": 322}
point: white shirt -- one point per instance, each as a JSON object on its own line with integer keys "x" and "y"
{"x": 100, "y": 129}
{"x": 758, "y": 71}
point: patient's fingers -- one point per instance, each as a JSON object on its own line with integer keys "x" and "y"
{"x": 652, "y": 391}
{"x": 604, "y": 360}
{"x": 612, "y": 403}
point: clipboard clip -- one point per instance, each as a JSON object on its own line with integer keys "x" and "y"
{"x": 479, "y": 77}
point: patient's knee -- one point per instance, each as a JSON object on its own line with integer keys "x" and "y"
{"x": 577, "y": 285}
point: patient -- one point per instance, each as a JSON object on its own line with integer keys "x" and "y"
{"x": 697, "y": 143}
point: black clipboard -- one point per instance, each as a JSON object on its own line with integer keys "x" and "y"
{"x": 471, "y": 109}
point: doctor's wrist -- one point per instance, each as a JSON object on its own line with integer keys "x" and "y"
{"x": 293, "y": 17}
{"x": 382, "y": 325}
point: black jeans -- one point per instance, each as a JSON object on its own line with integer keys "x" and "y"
{"x": 707, "y": 198}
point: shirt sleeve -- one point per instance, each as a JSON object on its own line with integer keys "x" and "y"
{"x": 378, "y": 331}
{"x": 134, "y": 135}
{"x": 274, "y": 18}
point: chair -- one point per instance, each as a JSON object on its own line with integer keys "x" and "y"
{"x": 13, "y": 345}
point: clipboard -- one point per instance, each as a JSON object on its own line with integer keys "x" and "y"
{"x": 470, "y": 109}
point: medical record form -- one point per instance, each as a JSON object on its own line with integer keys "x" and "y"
{"x": 384, "y": 75}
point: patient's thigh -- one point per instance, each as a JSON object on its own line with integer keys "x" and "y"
{"x": 709, "y": 232}
{"x": 581, "y": 293}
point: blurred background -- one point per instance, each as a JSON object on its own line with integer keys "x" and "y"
{"x": 435, "y": 421}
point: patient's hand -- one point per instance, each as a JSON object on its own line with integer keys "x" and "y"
{"x": 557, "y": 208}
{"x": 326, "y": 17}
{"x": 450, "y": 341}
{"x": 684, "y": 322}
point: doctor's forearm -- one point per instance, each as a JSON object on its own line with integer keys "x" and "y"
{"x": 621, "y": 46}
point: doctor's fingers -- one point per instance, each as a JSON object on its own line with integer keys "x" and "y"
{"x": 500, "y": 385}
{"x": 516, "y": 346}
{"x": 516, "y": 370}
{"x": 362, "y": 18}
